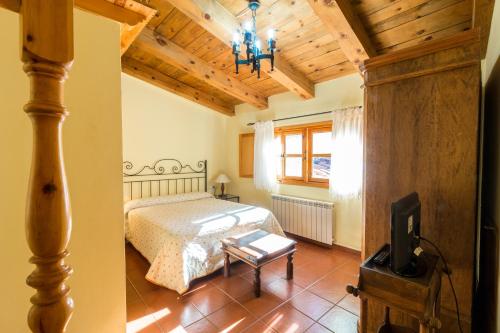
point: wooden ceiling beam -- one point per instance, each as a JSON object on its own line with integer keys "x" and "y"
{"x": 120, "y": 11}
{"x": 175, "y": 55}
{"x": 132, "y": 15}
{"x": 340, "y": 19}
{"x": 128, "y": 11}
{"x": 217, "y": 20}
{"x": 160, "y": 80}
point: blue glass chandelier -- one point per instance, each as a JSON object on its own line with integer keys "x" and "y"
{"x": 253, "y": 44}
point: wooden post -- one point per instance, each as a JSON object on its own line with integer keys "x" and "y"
{"x": 47, "y": 53}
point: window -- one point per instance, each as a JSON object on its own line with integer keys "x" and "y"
{"x": 304, "y": 154}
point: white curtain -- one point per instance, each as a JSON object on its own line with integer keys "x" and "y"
{"x": 264, "y": 168}
{"x": 346, "y": 174}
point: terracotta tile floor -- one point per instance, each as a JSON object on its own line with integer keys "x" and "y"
{"x": 315, "y": 301}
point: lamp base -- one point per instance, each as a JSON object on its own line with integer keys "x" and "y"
{"x": 222, "y": 189}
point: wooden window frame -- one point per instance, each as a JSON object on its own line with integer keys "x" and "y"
{"x": 307, "y": 131}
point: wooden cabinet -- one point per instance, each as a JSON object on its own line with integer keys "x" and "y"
{"x": 421, "y": 126}
{"x": 246, "y": 155}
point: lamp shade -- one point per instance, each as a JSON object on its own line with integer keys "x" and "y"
{"x": 222, "y": 178}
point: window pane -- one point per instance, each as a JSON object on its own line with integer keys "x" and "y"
{"x": 322, "y": 142}
{"x": 321, "y": 167}
{"x": 293, "y": 167}
{"x": 293, "y": 143}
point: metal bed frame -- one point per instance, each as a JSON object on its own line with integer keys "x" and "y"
{"x": 163, "y": 177}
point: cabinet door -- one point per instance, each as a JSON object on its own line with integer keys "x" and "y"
{"x": 246, "y": 155}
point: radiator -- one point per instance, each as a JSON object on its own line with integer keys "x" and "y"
{"x": 306, "y": 218}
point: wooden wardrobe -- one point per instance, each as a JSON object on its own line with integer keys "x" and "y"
{"x": 421, "y": 126}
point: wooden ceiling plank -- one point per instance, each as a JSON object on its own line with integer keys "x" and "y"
{"x": 163, "y": 9}
{"x": 439, "y": 20}
{"x": 481, "y": 18}
{"x": 463, "y": 26}
{"x": 410, "y": 15}
{"x": 340, "y": 19}
{"x": 145, "y": 73}
{"x": 169, "y": 52}
{"x": 175, "y": 22}
{"x": 333, "y": 72}
{"x": 314, "y": 53}
{"x": 392, "y": 10}
{"x": 322, "y": 62}
{"x": 217, "y": 20}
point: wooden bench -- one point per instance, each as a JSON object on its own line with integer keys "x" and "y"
{"x": 258, "y": 248}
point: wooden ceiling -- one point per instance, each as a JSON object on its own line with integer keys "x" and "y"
{"x": 185, "y": 47}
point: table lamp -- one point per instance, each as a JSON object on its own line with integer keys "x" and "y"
{"x": 222, "y": 179}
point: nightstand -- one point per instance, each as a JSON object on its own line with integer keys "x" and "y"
{"x": 229, "y": 197}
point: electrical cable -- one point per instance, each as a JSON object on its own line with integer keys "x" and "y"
{"x": 448, "y": 273}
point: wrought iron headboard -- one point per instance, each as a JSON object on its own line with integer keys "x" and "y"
{"x": 163, "y": 177}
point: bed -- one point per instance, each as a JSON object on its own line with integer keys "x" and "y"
{"x": 177, "y": 226}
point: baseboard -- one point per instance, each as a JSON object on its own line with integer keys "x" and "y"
{"x": 333, "y": 246}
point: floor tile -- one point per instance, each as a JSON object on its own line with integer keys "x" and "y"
{"x": 317, "y": 328}
{"x": 288, "y": 319}
{"x": 333, "y": 286}
{"x": 235, "y": 286}
{"x": 259, "y": 327}
{"x": 131, "y": 294}
{"x": 171, "y": 310}
{"x": 350, "y": 303}
{"x": 283, "y": 289}
{"x": 339, "y": 320}
{"x": 239, "y": 267}
{"x": 202, "y": 326}
{"x": 140, "y": 283}
{"x": 311, "y": 305}
{"x": 207, "y": 299}
{"x": 141, "y": 319}
{"x": 134, "y": 260}
{"x": 232, "y": 318}
{"x": 259, "y": 306}
{"x": 267, "y": 276}
{"x": 306, "y": 275}
{"x": 278, "y": 266}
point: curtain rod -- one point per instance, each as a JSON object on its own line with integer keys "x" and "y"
{"x": 309, "y": 115}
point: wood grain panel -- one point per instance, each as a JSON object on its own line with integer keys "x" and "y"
{"x": 421, "y": 134}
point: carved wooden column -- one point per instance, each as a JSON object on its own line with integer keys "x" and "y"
{"x": 47, "y": 53}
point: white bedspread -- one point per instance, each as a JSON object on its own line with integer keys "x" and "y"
{"x": 181, "y": 235}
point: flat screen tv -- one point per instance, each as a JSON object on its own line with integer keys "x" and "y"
{"x": 405, "y": 233}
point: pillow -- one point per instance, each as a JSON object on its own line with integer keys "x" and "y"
{"x": 167, "y": 199}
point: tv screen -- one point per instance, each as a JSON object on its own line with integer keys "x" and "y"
{"x": 405, "y": 226}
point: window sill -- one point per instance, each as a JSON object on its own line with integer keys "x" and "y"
{"x": 303, "y": 183}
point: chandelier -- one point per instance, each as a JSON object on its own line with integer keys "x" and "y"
{"x": 252, "y": 43}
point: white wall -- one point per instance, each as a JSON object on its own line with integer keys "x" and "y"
{"x": 158, "y": 124}
{"x": 331, "y": 95}
{"x": 92, "y": 148}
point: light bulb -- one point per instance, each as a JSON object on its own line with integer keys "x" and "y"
{"x": 271, "y": 33}
{"x": 258, "y": 44}
{"x": 247, "y": 26}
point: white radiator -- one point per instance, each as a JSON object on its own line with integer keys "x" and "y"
{"x": 306, "y": 218}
